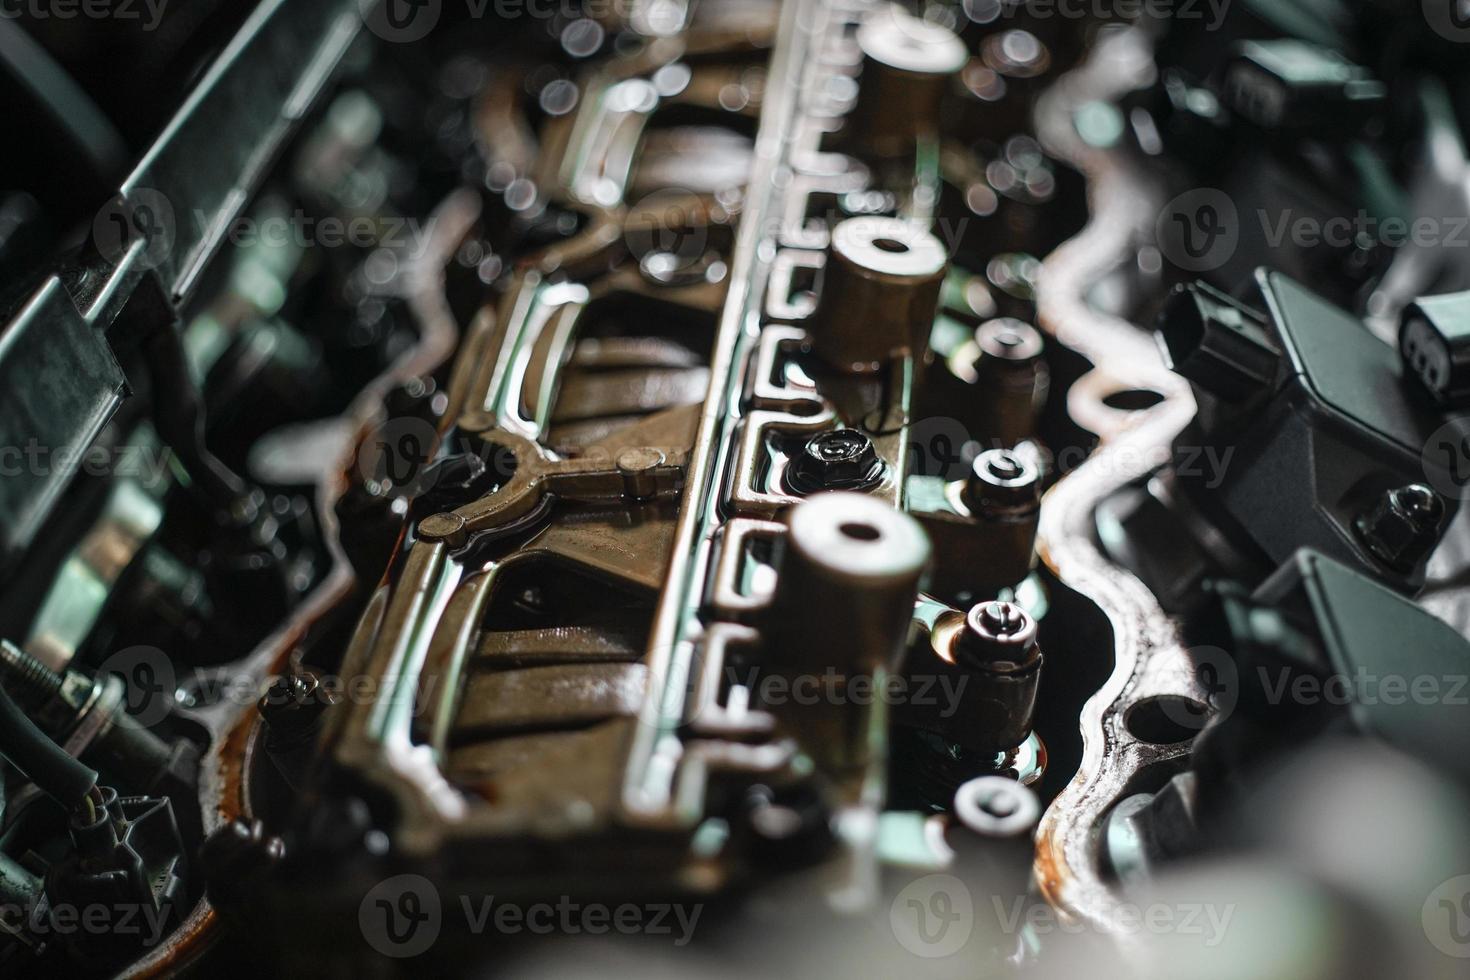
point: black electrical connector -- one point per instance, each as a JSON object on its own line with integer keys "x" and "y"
{"x": 1434, "y": 341}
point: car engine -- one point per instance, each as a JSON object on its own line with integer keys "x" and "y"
{"x": 735, "y": 487}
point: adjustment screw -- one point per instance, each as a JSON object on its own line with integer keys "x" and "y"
{"x": 839, "y": 460}
{"x": 294, "y": 704}
{"x": 1003, "y": 484}
{"x": 1008, "y": 341}
{"x": 1402, "y": 528}
{"x": 993, "y": 807}
{"x": 996, "y": 634}
{"x": 26, "y": 676}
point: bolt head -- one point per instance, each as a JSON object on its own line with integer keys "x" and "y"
{"x": 843, "y": 459}
{"x": 1402, "y": 527}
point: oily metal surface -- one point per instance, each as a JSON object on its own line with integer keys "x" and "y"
{"x": 464, "y": 690}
